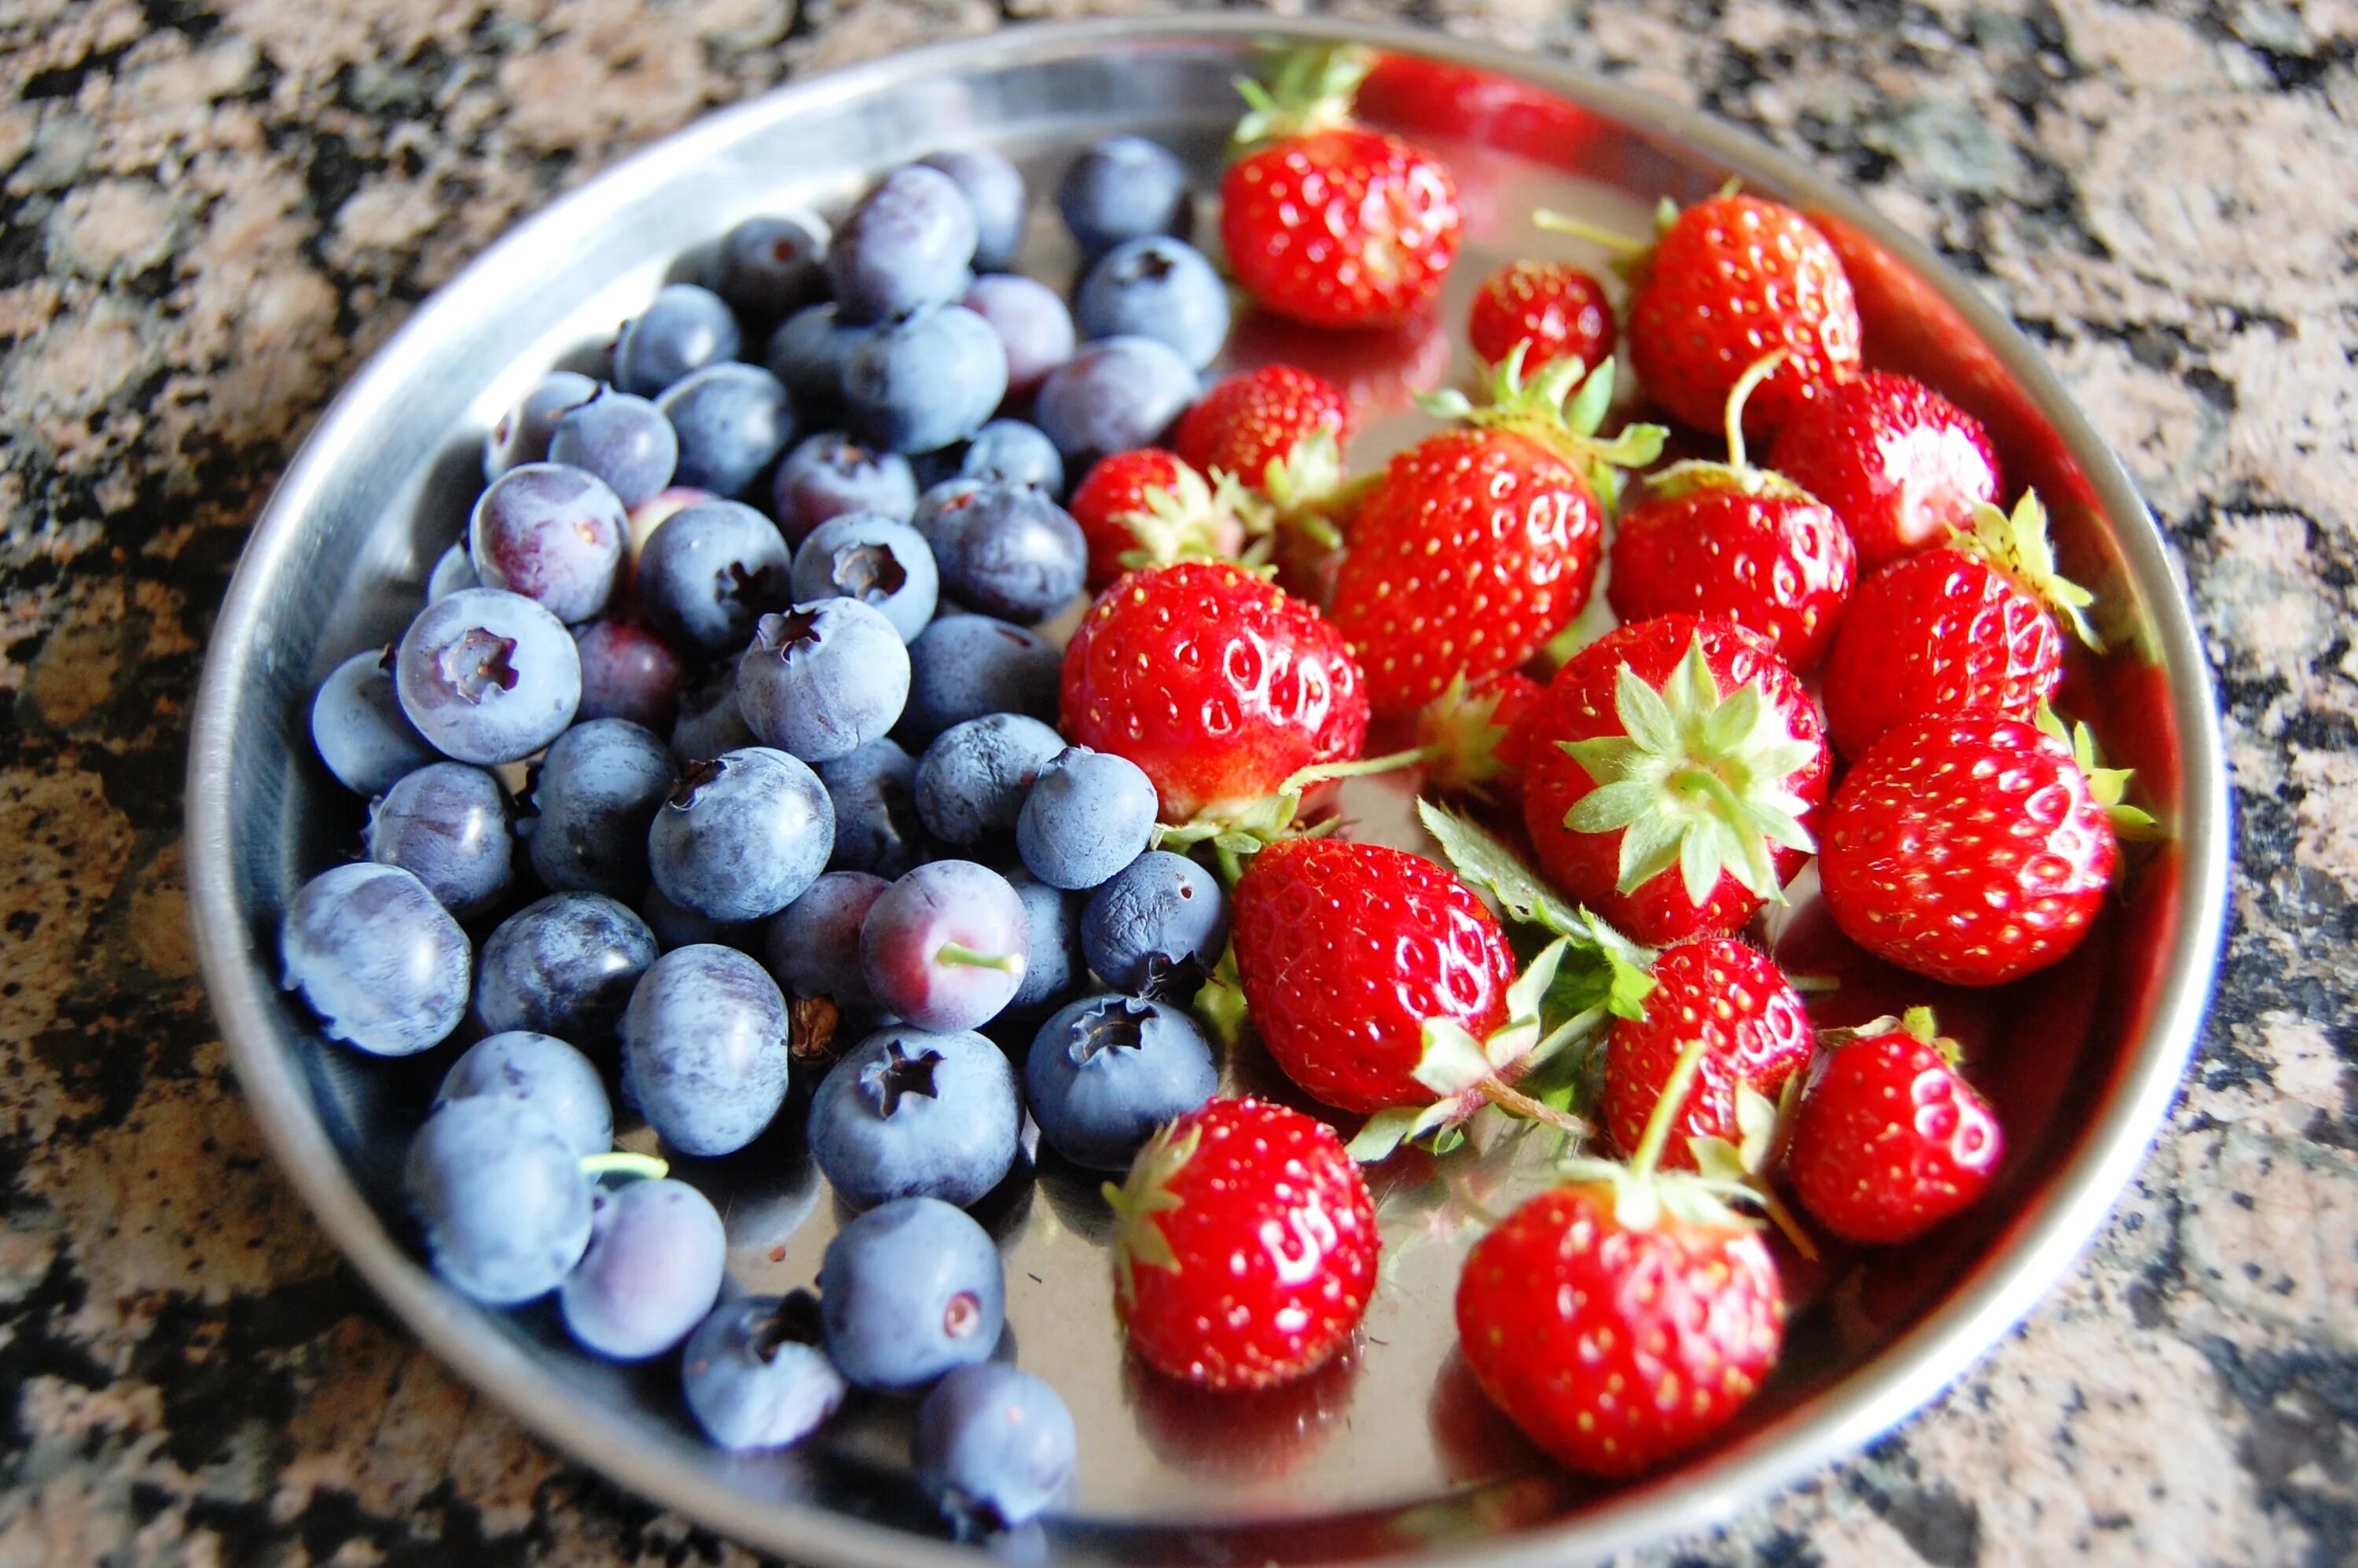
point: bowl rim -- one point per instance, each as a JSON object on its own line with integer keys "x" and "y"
{"x": 1904, "y": 1376}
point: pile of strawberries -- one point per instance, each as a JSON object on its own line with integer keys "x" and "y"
{"x": 1844, "y": 656}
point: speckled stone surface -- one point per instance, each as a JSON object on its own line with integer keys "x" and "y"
{"x": 213, "y": 210}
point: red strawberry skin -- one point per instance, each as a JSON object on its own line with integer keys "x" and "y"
{"x": 1254, "y": 417}
{"x": 1339, "y": 228}
{"x": 1734, "y": 998}
{"x": 1612, "y": 1348}
{"x": 1579, "y": 704}
{"x": 1938, "y": 632}
{"x": 1780, "y": 565}
{"x": 1476, "y": 547}
{"x": 1560, "y": 310}
{"x": 1346, "y": 949}
{"x": 1274, "y": 1238}
{"x": 1968, "y": 847}
{"x": 1899, "y": 463}
{"x": 1216, "y": 683}
{"x": 1891, "y": 1140}
{"x": 1734, "y": 277}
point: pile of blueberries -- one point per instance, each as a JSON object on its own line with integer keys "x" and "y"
{"x": 785, "y": 776}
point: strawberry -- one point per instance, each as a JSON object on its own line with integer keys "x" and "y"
{"x": 1246, "y": 1246}
{"x": 1979, "y": 624}
{"x": 1479, "y": 544}
{"x": 1900, "y": 464}
{"x": 1216, "y": 683}
{"x": 1468, "y": 736}
{"x": 1323, "y": 220}
{"x": 1890, "y": 1139}
{"x": 1974, "y": 847}
{"x": 1148, "y": 507}
{"x": 1346, "y": 949}
{"x": 1733, "y": 997}
{"x": 1621, "y": 1320}
{"x": 1257, "y": 417}
{"x": 1560, "y": 310}
{"x": 1726, "y": 281}
{"x": 1672, "y": 769}
{"x": 1744, "y": 544}
{"x": 1380, "y": 370}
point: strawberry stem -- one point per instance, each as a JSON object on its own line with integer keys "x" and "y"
{"x": 1391, "y": 761}
{"x": 1509, "y": 1098}
{"x": 1741, "y": 393}
{"x": 1620, "y": 243}
{"x": 622, "y": 1162}
{"x": 1783, "y": 1218}
{"x": 958, "y": 953}
{"x": 1667, "y": 1109}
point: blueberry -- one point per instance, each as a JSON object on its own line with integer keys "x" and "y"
{"x": 972, "y": 780}
{"x": 1009, "y": 452}
{"x": 734, "y": 420}
{"x": 1007, "y": 550}
{"x": 944, "y": 947}
{"x": 382, "y": 964}
{"x": 824, "y": 679}
{"x": 1107, "y": 1071}
{"x": 711, "y": 722}
{"x": 1033, "y": 325}
{"x": 877, "y": 829}
{"x": 710, "y": 572}
{"x": 907, "y": 1113}
{"x": 813, "y": 944}
{"x": 884, "y": 564}
{"x": 809, "y": 352}
{"x": 685, "y": 329}
{"x": 1158, "y": 924}
{"x": 598, "y": 792}
{"x": 487, "y": 677}
{"x": 1124, "y": 188}
{"x": 554, "y": 534}
{"x": 540, "y": 1071}
{"x": 447, "y": 824}
{"x": 963, "y": 666}
{"x": 1052, "y": 964}
{"x": 742, "y": 835}
{"x": 704, "y": 1049}
{"x": 565, "y": 965}
{"x": 756, "y": 1375}
{"x": 770, "y": 268}
{"x": 656, "y": 509}
{"x": 1115, "y": 394}
{"x": 1089, "y": 814}
{"x": 500, "y": 1195}
{"x": 1157, "y": 288}
{"x": 623, "y": 440}
{"x": 522, "y": 434}
{"x": 925, "y": 383}
{"x": 627, "y": 672}
{"x": 675, "y": 927}
{"x": 830, "y": 475}
{"x": 993, "y": 1448}
{"x": 993, "y": 189}
{"x": 452, "y": 571}
{"x": 365, "y": 738}
{"x": 910, "y": 1290}
{"x": 904, "y": 247}
{"x": 651, "y": 1272}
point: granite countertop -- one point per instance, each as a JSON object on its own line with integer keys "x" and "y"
{"x": 215, "y": 208}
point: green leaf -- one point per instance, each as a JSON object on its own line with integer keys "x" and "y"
{"x": 1611, "y": 805}
{"x": 1699, "y": 864}
{"x": 1587, "y": 411}
{"x": 1755, "y": 1116}
{"x": 1650, "y": 846}
{"x": 1453, "y": 1061}
{"x": 1716, "y": 1159}
{"x": 1382, "y": 1135}
{"x": 1531, "y": 986}
{"x": 1645, "y": 717}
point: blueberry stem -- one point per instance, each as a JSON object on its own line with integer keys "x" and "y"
{"x": 622, "y": 1162}
{"x": 958, "y": 953}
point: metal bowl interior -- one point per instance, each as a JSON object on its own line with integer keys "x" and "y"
{"x": 1393, "y": 1453}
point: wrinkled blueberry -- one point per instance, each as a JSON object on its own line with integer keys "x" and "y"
{"x": 742, "y": 835}
{"x": 964, "y": 666}
{"x": 1158, "y": 926}
{"x": 1088, "y": 815}
{"x": 972, "y": 780}
{"x": 884, "y": 564}
{"x": 704, "y": 1049}
{"x": 500, "y": 1195}
{"x": 1007, "y": 550}
{"x": 910, "y": 1291}
{"x": 596, "y": 794}
{"x": 487, "y": 677}
{"x": 823, "y": 679}
{"x": 382, "y": 964}
{"x": 447, "y": 824}
{"x": 565, "y": 965}
{"x": 365, "y": 738}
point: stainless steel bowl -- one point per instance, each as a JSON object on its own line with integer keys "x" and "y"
{"x": 1392, "y": 1454}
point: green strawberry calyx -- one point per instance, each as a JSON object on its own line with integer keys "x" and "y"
{"x": 1138, "y": 1239}
{"x": 1918, "y": 1023}
{"x": 1560, "y": 408}
{"x": 1305, "y": 487}
{"x": 1461, "y": 731}
{"x": 1311, "y": 90}
{"x": 2108, "y": 785}
{"x": 2017, "y": 544}
{"x": 1238, "y": 833}
{"x": 1735, "y": 474}
{"x": 1644, "y": 1195}
{"x": 1184, "y": 520}
{"x": 1763, "y": 1128}
{"x": 1698, "y": 779}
